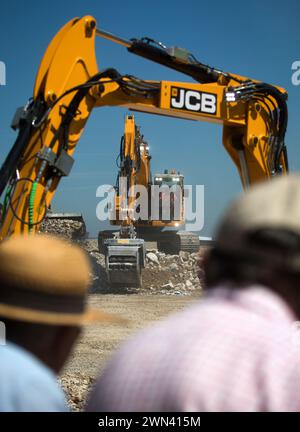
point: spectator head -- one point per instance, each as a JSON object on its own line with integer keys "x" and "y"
{"x": 258, "y": 241}
{"x": 43, "y": 289}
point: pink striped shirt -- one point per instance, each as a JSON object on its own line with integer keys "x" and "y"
{"x": 235, "y": 350}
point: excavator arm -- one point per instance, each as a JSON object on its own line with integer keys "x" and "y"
{"x": 69, "y": 86}
{"x": 134, "y": 169}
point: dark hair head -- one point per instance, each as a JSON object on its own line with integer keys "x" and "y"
{"x": 268, "y": 255}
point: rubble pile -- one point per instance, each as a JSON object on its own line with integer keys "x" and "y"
{"x": 172, "y": 274}
{"x": 164, "y": 274}
{"x": 65, "y": 228}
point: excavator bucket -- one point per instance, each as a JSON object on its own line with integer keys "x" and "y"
{"x": 124, "y": 260}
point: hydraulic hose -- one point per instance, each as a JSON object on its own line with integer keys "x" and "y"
{"x": 31, "y": 205}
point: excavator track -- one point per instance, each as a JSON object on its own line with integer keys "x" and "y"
{"x": 173, "y": 242}
{"x": 189, "y": 242}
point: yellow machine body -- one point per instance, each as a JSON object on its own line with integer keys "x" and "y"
{"x": 68, "y": 87}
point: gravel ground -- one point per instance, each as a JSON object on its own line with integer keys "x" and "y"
{"x": 98, "y": 342}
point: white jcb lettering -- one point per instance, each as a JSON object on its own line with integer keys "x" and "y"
{"x": 180, "y": 102}
{"x": 191, "y": 98}
{"x": 208, "y": 103}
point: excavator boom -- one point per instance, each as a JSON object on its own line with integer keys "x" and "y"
{"x": 69, "y": 86}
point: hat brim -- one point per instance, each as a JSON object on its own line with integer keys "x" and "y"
{"x": 52, "y": 318}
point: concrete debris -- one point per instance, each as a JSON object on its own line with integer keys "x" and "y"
{"x": 173, "y": 267}
{"x": 168, "y": 286}
{"x": 65, "y": 228}
{"x": 151, "y": 256}
{"x": 184, "y": 255}
{"x": 189, "y": 284}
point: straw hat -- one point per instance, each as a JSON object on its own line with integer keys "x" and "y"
{"x": 45, "y": 280}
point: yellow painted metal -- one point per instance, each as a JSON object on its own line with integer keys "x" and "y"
{"x": 70, "y": 61}
{"x": 48, "y": 56}
{"x": 123, "y": 241}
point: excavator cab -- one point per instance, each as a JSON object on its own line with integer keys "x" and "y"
{"x": 171, "y": 192}
{"x": 169, "y": 178}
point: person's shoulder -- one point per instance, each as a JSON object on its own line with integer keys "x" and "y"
{"x": 26, "y": 384}
{"x": 13, "y": 357}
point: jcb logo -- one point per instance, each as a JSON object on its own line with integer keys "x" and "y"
{"x": 193, "y": 100}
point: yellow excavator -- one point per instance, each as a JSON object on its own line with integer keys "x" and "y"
{"x": 134, "y": 163}
{"x": 69, "y": 86}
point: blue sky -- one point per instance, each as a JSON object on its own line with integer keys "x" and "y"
{"x": 260, "y": 40}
